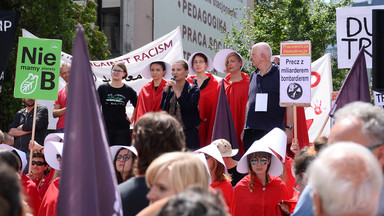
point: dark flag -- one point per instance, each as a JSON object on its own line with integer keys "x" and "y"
{"x": 8, "y": 25}
{"x": 355, "y": 86}
{"x": 224, "y": 128}
{"x": 88, "y": 184}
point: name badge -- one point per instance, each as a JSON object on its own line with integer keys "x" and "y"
{"x": 261, "y": 102}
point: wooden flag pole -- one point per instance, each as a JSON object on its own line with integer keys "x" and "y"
{"x": 294, "y": 123}
{"x": 33, "y": 135}
{"x": 322, "y": 128}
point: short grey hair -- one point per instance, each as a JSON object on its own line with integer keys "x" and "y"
{"x": 348, "y": 179}
{"x": 372, "y": 117}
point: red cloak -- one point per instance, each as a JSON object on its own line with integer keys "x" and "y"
{"x": 49, "y": 204}
{"x": 262, "y": 200}
{"x": 237, "y": 94}
{"x": 43, "y": 183}
{"x": 149, "y": 99}
{"x": 226, "y": 190}
{"x": 207, "y": 108}
{"x": 33, "y": 196}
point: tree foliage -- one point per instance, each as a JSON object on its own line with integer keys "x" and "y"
{"x": 53, "y": 19}
{"x": 274, "y": 21}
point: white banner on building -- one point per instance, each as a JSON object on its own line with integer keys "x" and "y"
{"x": 321, "y": 90}
{"x": 167, "y": 48}
{"x": 354, "y": 30}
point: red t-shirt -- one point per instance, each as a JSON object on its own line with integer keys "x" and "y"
{"x": 207, "y": 109}
{"x": 149, "y": 99}
{"x": 237, "y": 94}
{"x": 262, "y": 200}
{"x": 33, "y": 196}
{"x": 62, "y": 101}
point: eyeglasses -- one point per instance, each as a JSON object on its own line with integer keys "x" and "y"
{"x": 125, "y": 157}
{"x": 198, "y": 62}
{"x": 373, "y": 147}
{"x": 117, "y": 71}
{"x": 207, "y": 156}
{"x": 262, "y": 161}
{"x": 38, "y": 163}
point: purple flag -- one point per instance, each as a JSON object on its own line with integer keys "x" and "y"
{"x": 224, "y": 128}
{"x": 88, "y": 184}
{"x": 355, "y": 86}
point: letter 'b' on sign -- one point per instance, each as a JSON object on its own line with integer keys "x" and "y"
{"x": 38, "y": 69}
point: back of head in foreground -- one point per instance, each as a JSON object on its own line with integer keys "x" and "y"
{"x": 359, "y": 122}
{"x": 184, "y": 170}
{"x": 10, "y": 192}
{"x": 154, "y": 134}
{"x": 195, "y": 202}
{"x": 346, "y": 180}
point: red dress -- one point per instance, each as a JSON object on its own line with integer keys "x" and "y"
{"x": 237, "y": 94}
{"x": 49, "y": 203}
{"x": 262, "y": 200}
{"x": 43, "y": 183}
{"x": 207, "y": 108}
{"x": 149, "y": 99}
{"x": 226, "y": 190}
{"x": 33, "y": 196}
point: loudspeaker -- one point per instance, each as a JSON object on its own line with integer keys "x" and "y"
{"x": 378, "y": 50}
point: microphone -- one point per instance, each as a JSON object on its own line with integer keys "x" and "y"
{"x": 173, "y": 78}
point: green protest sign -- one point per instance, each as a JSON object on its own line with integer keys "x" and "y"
{"x": 38, "y": 69}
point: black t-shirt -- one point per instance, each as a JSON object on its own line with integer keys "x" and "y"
{"x": 113, "y": 102}
{"x": 236, "y": 176}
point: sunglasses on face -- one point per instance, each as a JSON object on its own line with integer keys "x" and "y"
{"x": 38, "y": 163}
{"x": 117, "y": 71}
{"x": 198, "y": 62}
{"x": 125, "y": 157}
{"x": 262, "y": 161}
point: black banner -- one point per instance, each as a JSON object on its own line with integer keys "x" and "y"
{"x": 8, "y": 25}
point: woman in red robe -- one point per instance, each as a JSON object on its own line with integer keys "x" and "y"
{"x": 261, "y": 191}
{"x": 220, "y": 179}
{"x": 150, "y": 95}
{"x": 199, "y": 63}
{"x": 236, "y": 85}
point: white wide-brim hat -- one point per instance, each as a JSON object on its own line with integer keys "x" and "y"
{"x": 265, "y": 144}
{"x": 220, "y": 58}
{"x": 214, "y": 152}
{"x": 147, "y": 71}
{"x": 114, "y": 149}
{"x": 279, "y": 145}
{"x": 51, "y": 150}
{"x": 225, "y": 148}
{"x": 57, "y": 137}
{"x": 202, "y": 158}
{"x": 21, "y": 154}
{"x": 190, "y": 63}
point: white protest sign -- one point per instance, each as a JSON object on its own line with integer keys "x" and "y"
{"x": 354, "y": 30}
{"x": 167, "y": 48}
{"x": 295, "y": 73}
{"x": 379, "y": 99}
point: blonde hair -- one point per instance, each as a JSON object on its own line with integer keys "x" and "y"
{"x": 184, "y": 168}
{"x": 230, "y": 55}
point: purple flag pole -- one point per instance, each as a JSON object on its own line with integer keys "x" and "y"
{"x": 355, "y": 86}
{"x": 88, "y": 184}
{"x": 224, "y": 128}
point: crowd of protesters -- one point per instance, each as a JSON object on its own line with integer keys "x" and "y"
{"x": 168, "y": 164}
